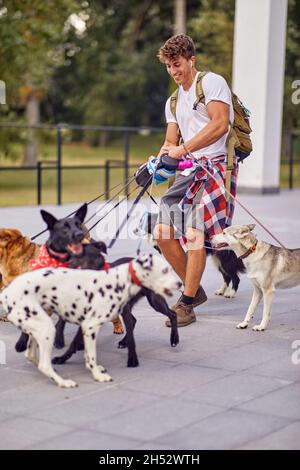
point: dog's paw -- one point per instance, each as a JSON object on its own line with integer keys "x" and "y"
{"x": 58, "y": 360}
{"x": 219, "y": 291}
{"x": 122, "y": 344}
{"x": 132, "y": 362}
{"x": 101, "y": 377}
{"x": 174, "y": 339}
{"x": 229, "y": 293}
{"x": 67, "y": 384}
{"x": 21, "y": 346}
{"x": 118, "y": 330}
{"x": 117, "y": 327}
{"x": 258, "y": 328}
{"x": 242, "y": 325}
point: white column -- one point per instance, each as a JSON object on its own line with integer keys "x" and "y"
{"x": 258, "y": 73}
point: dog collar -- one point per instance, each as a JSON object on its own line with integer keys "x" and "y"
{"x": 57, "y": 255}
{"x": 248, "y": 252}
{"x": 133, "y": 275}
{"x": 106, "y": 266}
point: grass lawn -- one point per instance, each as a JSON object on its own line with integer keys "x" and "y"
{"x": 19, "y": 187}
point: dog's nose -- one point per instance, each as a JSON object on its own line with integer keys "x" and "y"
{"x": 78, "y": 236}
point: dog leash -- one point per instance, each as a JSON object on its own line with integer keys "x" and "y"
{"x": 128, "y": 182}
{"x": 114, "y": 207}
{"x": 138, "y": 197}
{"x": 239, "y": 203}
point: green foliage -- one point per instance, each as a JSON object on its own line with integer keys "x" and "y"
{"x": 212, "y": 30}
{"x": 107, "y": 72}
{"x": 292, "y": 65}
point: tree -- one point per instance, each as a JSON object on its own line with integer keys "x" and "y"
{"x": 31, "y": 47}
{"x": 212, "y": 30}
{"x": 291, "y": 119}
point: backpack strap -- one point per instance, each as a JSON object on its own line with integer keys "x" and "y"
{"x": 173, "y": 102}
{"x": 199, "y": 90}
{"x": 232, "y": 140}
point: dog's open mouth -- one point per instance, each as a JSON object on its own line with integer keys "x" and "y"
{"x": 75, "y": 248}
{"x": 218, "y": 246}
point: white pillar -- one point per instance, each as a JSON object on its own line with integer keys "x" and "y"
{"x": 258, "y": 72}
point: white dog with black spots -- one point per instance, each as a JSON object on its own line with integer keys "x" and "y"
{"x": 85, "y": 297}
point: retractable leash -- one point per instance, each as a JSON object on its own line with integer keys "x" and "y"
{"x": 131, "y": 178}
{"x": 170, "y": 164}
{"x": 240, "y": 204}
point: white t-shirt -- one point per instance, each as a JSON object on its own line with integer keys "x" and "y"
{"x": 191, "y": 121}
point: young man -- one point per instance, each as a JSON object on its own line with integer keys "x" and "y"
{"x": 194, "y": 205}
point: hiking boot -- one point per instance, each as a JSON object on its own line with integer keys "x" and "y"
{"x": 200, "y": 298}
{"x": 185, "y": 314}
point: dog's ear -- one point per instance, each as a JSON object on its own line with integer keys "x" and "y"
{"x": 49, "y": 219}
{"x": 101, "y": 246}
{"x": 251, "y": 227}
{"x": 244, "y": 231}
{"x": 81, "y": 212}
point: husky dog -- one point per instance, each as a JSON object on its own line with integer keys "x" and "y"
{"x": 269, "y": 267}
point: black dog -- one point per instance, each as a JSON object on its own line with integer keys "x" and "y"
{"x": 64, "y": 241}
{"x": 92, "y": 256}
{"x": 225, "y": 261}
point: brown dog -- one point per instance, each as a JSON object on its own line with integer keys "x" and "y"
{"x": 16, "y": 252}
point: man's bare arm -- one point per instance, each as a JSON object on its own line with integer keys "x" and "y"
{"x": 171, "y": 139}
{"x": 214, "y": 130}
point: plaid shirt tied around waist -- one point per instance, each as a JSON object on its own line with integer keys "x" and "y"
{"x": 215, "y": 210}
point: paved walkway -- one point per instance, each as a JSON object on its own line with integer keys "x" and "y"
{"x": 221, "y": 388}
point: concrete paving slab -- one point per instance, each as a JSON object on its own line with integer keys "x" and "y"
{"x": 219, "y": 388}
{"x": 225, "y": 430}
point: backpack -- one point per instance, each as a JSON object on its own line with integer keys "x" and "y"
{"x": 238, "y": 139}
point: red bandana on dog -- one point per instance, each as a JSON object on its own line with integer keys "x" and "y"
{"x": 44, "y": 260}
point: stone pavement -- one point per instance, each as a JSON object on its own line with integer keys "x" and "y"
{"x": 221, "y": 388}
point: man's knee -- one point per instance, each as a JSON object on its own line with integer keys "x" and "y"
{"x": 163, "y": 232}
{"x": 195, "y": 239}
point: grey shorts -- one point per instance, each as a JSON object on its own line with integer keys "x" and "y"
{"x": 169, "y": 212}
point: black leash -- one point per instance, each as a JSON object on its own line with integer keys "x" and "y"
{"x": 129, "y": 181}
{"x": 139, "y": 196}
{"x": 112, "y": 208}
{"x": 111, "y": 199}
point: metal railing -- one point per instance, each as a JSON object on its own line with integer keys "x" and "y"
{"x": 57, "y": 164}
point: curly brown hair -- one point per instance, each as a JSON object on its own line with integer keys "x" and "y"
{"x": 179, "y": 45}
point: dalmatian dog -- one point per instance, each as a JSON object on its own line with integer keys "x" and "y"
{"x": 85, "y": 297}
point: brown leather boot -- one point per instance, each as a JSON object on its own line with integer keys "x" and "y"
{"x": 185, "y": 314}
{"x": 200, "y": 298}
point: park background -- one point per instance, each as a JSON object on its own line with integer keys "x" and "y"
{"x": 76, "y": 63}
